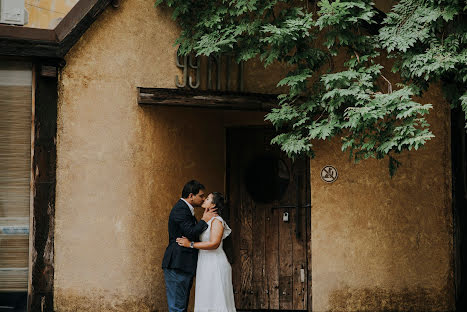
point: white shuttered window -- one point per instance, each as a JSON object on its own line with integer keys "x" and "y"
{"x": 15, "y": 164}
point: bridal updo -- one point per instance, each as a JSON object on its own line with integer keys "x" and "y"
{"x": 218, "y": 200}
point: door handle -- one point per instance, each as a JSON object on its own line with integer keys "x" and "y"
{"x": 302, "y": 275}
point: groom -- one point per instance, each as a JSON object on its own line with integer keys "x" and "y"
{"x": 179, "y": 263}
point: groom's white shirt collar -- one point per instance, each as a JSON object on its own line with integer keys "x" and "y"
{"x": 189, "y": 206}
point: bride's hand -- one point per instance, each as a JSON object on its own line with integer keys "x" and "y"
{"x": 183, "y": 241}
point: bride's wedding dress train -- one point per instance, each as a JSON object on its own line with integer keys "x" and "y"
{"x": 213, "y": 290}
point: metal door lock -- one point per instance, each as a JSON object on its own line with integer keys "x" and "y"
{"x": 285, "y": 217}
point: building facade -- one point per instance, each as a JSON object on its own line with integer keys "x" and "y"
{"x": 127, "y": 139}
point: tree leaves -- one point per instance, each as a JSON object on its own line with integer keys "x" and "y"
{"x": 427, "y": 37}
{"x": 429, "y": 40}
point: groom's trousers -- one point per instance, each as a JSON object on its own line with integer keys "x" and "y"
{"x": 178, "y": 285}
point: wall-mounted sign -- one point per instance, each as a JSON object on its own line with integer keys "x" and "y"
{"x": 219, "y": 72}
{"x": 329, "y": 174}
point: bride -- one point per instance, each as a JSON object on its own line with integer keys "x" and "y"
{"x": 213, "y": 290}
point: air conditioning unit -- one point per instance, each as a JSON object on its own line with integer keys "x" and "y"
{"x": 13, "y": 12}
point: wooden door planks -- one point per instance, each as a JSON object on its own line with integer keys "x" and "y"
{"x": 285, "y": 261}
{"x": 260, "y": 242}
{"x": 269, "y": 257}
{"x": 246, "y": 209}
{"x": 246, "y": 249}
{"x": 299, "y": 263}
{"x": 272, "y": 258}
{"x": 235, "y": 199}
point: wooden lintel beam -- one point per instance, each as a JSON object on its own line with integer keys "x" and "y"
{"x": 207, "y": 99}
{"x": 29, "y": 48}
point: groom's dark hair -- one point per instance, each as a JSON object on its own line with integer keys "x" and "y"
{"x": 192, "y": 187}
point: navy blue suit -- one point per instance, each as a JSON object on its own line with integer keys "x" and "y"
{"x": 179, "y": 262}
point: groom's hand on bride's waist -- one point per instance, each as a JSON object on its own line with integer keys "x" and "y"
{"x": 209, "y": 214}
{"x": 183, "y": 241}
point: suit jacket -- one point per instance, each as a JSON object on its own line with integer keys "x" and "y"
{"x": 182, "y": 223}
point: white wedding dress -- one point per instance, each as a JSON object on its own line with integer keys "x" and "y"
{"x": 214, "y": 290}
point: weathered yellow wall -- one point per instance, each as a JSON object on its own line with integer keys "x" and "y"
{"x": 121, "y": 167}
{"x": 381, "y": 244}
{"x": 47, "y": 13}
{"x": 376, "y": 243}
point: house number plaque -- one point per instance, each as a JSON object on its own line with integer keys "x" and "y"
{"x": 218, "y": 67}
{"x": 329, "y": 174}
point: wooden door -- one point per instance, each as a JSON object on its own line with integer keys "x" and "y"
{"x": 269, "y": 213}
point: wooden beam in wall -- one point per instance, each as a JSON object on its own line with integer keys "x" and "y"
{"x": 44, "y": 182}
{"x": 207, "y": 99}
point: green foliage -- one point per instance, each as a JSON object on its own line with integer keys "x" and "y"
{"x": 429, "y": 41}
{"x": 356, "y": 103}
{"x": 463, "y": 100}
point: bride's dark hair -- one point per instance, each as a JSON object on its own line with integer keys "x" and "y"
{"x": 218, "y": 200}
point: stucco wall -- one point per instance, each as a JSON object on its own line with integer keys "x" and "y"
{"x": 376, "y": 242}
{"x": 380, "y": 243}
{"x": 121, "y": 167}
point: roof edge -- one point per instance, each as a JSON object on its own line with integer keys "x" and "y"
{"x": 25, "y": 41}
{"x": 24, "y": 33}
{"x": 77, "y": 14}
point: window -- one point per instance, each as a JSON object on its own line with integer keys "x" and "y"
{"x": 267, "y": 178}
{"x": 15, "y": 170}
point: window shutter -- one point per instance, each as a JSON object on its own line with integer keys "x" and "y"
{"x": 15, "y": 164}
